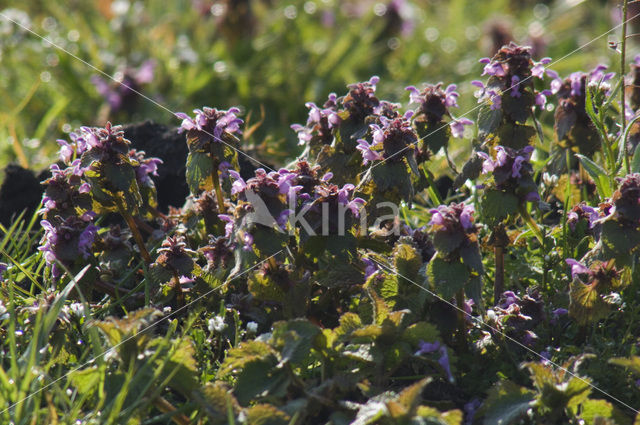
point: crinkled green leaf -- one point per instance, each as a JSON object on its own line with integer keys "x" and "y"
{"x": 448, "y": 277}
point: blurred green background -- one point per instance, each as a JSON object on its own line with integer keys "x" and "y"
{"x": 267, "y": 56}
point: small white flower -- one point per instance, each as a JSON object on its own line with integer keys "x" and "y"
{"x": 216, "y": 324}
{"x": 252, "y": 327}
{"x": 3, "y": 312}
{"x": 77, "y": 309}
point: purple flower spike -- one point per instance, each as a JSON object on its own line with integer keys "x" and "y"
{"x": 212, "y": 122}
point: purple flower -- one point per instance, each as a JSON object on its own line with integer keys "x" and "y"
{"x": 470, "y": 410}
{"x": 212, "y": 122}
{"x": 85, "y": 240}
{"x": 370, "y": 267}
{"x": 354, "y": 204}
{"x": 511, "y": 168}
{"x": 558, "y": 312}
{"x": 515, "y": 86}
{"x": 434, "y": 102}
{"x": 368, "y": 154}
{"x": 532, "y": 196}
{"x": 443, "y": 361}
{"x": 448, "y": 218}
{"x": 582, "y": 211}
{"x": 541, "y": 98}
{"x": 3, "y": 268}
{"x": 507, "y": 299}
{"x": 239, "y": 185}
{"x": 228, "y": 227}
{"x": 118, "y": 94}
{"x": 145, "y": 167}
{"x": 67, "y": 242}
{"x": 247, "y": 239}
{"x": 538, "y": 70}
{"x": 320, "y": 122}
{"x": 394, "y": 135}
{"x": 577, "y": 268}
{"x": 457, "y": 127}
{"x": 361, "y": 100}
{"x": 492, "y": 68}
{"x": 492, "y": 95}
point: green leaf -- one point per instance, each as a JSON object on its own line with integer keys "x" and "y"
{"x": 593, "y": 409}
{"x": 260, "y": 379}
{"x": 247, "y": 352}
{"x": 586, "y": 304}
{"x": 349, "y": 322}
{"x": 635, "y": 161}
{"x": 407, "y": 261}
{"x": 266, "y": 414}
{"x": 488, "y": 120}
{"x": 86, "y": 381}
{"x": 496, "y": 206}
{"x": 598, "y": 174}
{"x": 516, "y": 136}
{"x": 264, "y": 288}
{"x": 471, "y": 257}
{"x": 632, "y": 363}
{"x": 421, "y": 331}
{"x": 470, "y": 170}
{"x": 410, "y": 397}
{"x": 183, "y": 368}
{"x": 294, "y": 339}
{"x": 507, "y": 403}
{"x": 518, "y": 108}
{"x": 448, "y": 277}
{"x": 199, "y": 171}
{"x": 619, "y": 240}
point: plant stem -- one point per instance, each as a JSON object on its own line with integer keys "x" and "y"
{"x": 218, "y": 189}
{"x": 216, "y": 180}
{"x": 134, "y": 231}
{"x": 178, "y": 289}
{"x": 623, "y": 66}
{"x": 165, "y": 407}
{"x": 532, "y": 224}
{"x": 462, "y": 324}
{"x": 498, "y": 282}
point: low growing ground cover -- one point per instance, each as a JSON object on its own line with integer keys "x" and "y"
{"x": 356, "y": 284}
